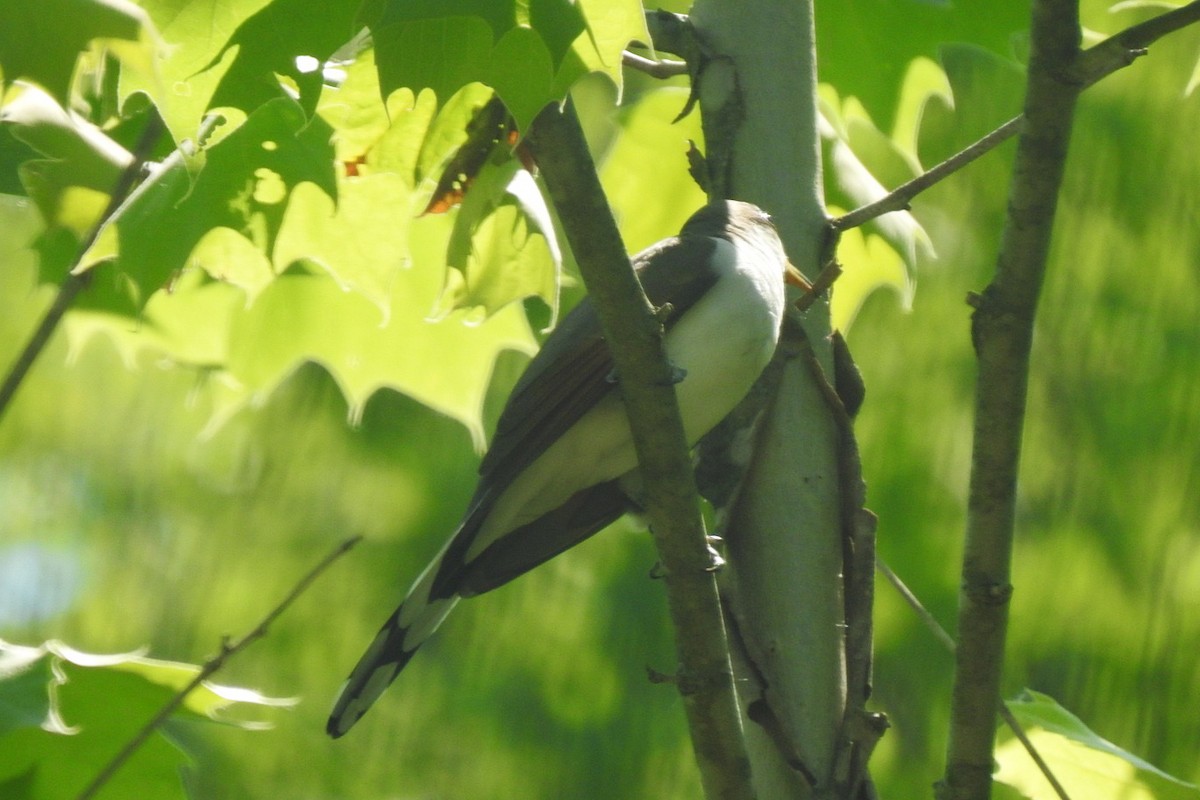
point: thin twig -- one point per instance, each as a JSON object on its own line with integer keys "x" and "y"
{"x": 664, "y": 68}
{"x": 210, "y": 667}
{"x": 942, "y": 636}
{"x": 1098, "y": 62}
{"x": 899, "y": 198}
{"x": 916, "y": 605}
{"x": 75, "y": 282}
{"x": 1122, "y": 49}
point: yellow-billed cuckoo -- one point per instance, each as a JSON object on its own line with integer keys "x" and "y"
{"x": 562, "y": 464}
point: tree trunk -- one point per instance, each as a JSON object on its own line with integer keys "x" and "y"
{"x": 783, "y": 587}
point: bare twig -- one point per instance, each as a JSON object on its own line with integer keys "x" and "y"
{"x": 210, "y": 667}
{"x": 916, "y": 605}
{"x": 899, "y": 198}
{"x": 1122, "y": 49}
{"x": 664, "y": 68}
{"x": 942, "y": 636}
{"x": 1098, "y": 62}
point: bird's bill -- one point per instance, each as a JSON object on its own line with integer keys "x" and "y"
{"x": 794, "y": 277}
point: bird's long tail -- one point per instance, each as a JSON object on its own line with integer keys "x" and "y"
{"x": 406, "y": 630}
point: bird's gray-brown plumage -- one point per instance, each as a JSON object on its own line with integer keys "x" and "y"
{"x": 562, "y": 448}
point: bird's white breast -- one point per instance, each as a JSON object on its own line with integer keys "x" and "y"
{"x": 722, "y": 343}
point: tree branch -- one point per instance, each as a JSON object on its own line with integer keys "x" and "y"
{"x": 1094, "y": 64}
{"x": 1122, "y": 49}
{"x": 664, "y": 68}
{"x": 635, "y": 336}
{"x": 1003, "y": 332}
{"x": 77, "y": 281}
{"x": 946, "y": 639}
{"x": 210, "y": 667}
{"x": 899, "y": 198}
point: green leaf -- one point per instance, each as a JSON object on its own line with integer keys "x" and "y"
{"x": 860, "y": 159}
{"x": 442, "y": 54}
{"x": 986, "y": 92}
{"x": 850, "y": 36}
{"x": 448, "y": 132}
{"x": 530, "y": 54}
{"x": 357, "y": 291}
{"x": 521, "y": 72}
{"x": 194, "y": 59}
{"x": 65, "y": 713}
{"x": 82, "y": 163}
{"x": 270, "y": 43}
{"x": 354, "y": 109}
{"x": 495, "y": 262}
{"x": 445, "y": 364}
{"x": 41, "y": 39}
{"x": 244, "y": 186}
{"x": 611, "y": 26}
{"x": 645, "y": 171}
{"x": 869, "y": 262}
{"x": 362, "y": 242}
{"x": 1086, "y": 764}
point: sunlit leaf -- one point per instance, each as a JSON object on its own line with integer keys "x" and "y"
{"x": 859, "y": 160}
{"x": 444, "y": 364}
{"x": 354, "y": 108}
{"x": 195, "y": 57}
{"x": 65, "y": 713}
{"x": 41, "y": 39}
{"x": 868, "y": 263}
{"x": 78, "y": 155}
{"x": 244, "y": 186}
{"x": 529, "y": 53}
{"x": 362, "y": 241}
{"x": 503, "y": 245}
{"x": 290, "y": 38}
{"x": 1083, "y": 762}
{"x": 645, "y": 171}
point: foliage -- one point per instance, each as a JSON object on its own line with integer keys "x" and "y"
{"x": 1091, "y": 766}
{"x": 278, "y": 274}
{"x": 60, "y": 727}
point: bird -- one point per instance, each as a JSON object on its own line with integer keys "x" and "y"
{"x": 561, "y": 465}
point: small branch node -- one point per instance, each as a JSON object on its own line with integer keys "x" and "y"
{"x": 658, "y": 678}
{"x": 655, "y": 69}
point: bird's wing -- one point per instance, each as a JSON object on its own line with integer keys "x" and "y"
{"x": 568, "y": 377}
{"x": 518, "y": 551}
{"x": 574, "y": 368}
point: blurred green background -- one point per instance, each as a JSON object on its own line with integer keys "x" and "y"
{"x": 121, "y": 525}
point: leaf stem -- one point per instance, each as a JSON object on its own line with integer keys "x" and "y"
{"x": 210, "y": 667}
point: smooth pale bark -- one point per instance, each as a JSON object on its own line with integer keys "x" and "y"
{"x": 783, "y": 586}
